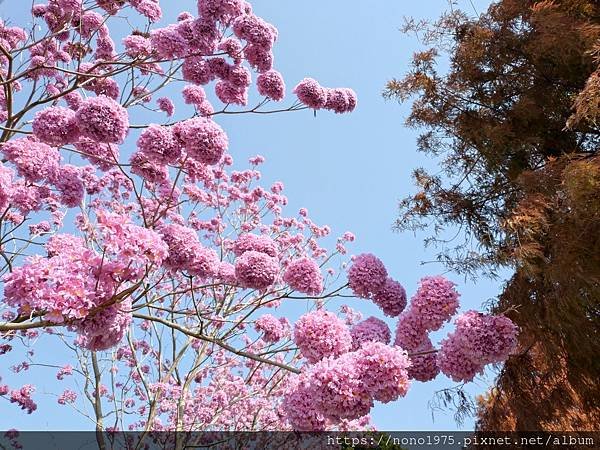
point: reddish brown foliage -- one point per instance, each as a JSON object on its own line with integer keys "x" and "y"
{"x": 515, "y": 123}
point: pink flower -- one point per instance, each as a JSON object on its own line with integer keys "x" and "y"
{"x": 310, "y": 92}
{"x": 254, "y": 30}
{"x": 148, "y": 168}
{"x": 391, "y": 298}
{"x": 344, "y": 388}
{"x": 206, "y": 263}
{"x": 64, "y": 371}
{"x": 137, "y": 46}
{"x": 105, "y": 156}
{"x": 22, "y": 397}
{"x": 168, "y": 42}
{"x": 340, "y": 100}
{"x": 203, "y": 139}
{"x": 435, "y": 301}
{"x": 233, "y": 48}
{"x": 320, "y": 334}
{"x": 423, "y": 366}
{"x": 229, "y": 93}
{"x": 271, "y": 85}
{"x": 105, "y": 328}
{"x": 260, "y": 58}
{"x": 367, "y": 275}
{"x": 255, "y": 270}
{"x": 165, "y": 104}
{"x": 254, "y": 242}
{"x": 34, "y": 161}
{"x": 103, "y": 120}
{"x": 370, "y": 330}
{"x": 70, "y": 185}
{"x": 226, "y": 273}
{"x": 183, "y": 244}
{"x": 159, "y": 144}
{"x": 272, "y": 329}
{"x": 383, "y": 370}
{"x": 220, "y": 10}
{"x": 55, "y": 126}
{"x": 193, "y": 95}
{"x": 478, "y": 339}
{"x": 410, "y": 332}
{"x": 148, "y": 8}
{"x": 196, "y": 70}
{"x": 304, "y": 275}
{"x": 68, "y": 396}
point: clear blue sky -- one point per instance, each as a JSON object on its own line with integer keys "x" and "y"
{"x": 348, "y": 170}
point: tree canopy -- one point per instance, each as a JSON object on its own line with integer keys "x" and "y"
{"x": 513, "y": 123}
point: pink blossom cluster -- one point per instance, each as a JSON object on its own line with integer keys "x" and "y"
{"x": 410, "y": 331}
{"x": 202, "y": 139}
{"x": 104, "y": 328}
{"x": 368, "y": 278}
{"x": 313, "y": 95}
{"x": 478, "y": 339}
{"x": 304, "y": 275}
{"x": 186, "y": 252}
{"x": 367, "y": 275}
{"x": 435, "y": 302}
{"x": 256, "y": 270}
{"x": 68, "y": 396}
{"x": 423, "y": 362}
{"x": 103, "y": 120}
{"x": 273, "y": 329}
{"x": 271, "y": 85}
{"x": 321, "y": 334}
{"x": 253, "y": 242}
{"x": 56, "y": 126}
{"x": 371, "y": 329}
{"x": 340, "y": 388}
{"x": 22, "y": 397}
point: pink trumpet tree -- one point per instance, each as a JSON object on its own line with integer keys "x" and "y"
{"x": 163, "y": 272}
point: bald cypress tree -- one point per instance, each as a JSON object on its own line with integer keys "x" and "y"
{"x": 514, "y": 125}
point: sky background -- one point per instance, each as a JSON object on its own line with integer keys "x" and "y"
{"x": 348, "y": 170}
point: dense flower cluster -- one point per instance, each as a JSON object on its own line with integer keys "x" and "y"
{"x": 187, "y": 253}
{"x": 344, "y": 388}
{"x": 320, "y": 334}
{"x": 256, "y": 270}
{"x": 435, "y": 302}
{"x": 371, "y": 329}
{"x": 423, "y": 361}
{"x": 341, "y": 100}
{"x": 253, "y": 242}
{"x": 159, "y": 144}
{"x": 478, "y": 339}
{"x": 203, "y": 139}
{"x": 273, "y": 330}
{"x": 56, "y": 126}
{"x": 271, "y": 85}
{"x": 367, "y": 275}
{"x": 104, "y": 328}
{"x": 103, "y": 120}
{"x": 61, "y": 287}
{"x": 391, "y": 298}
{"x": 35, "y": 161}
{"x": 304, "y": 275}
{"x": 313, "y": 95}
{"x": 410, "y": 331}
